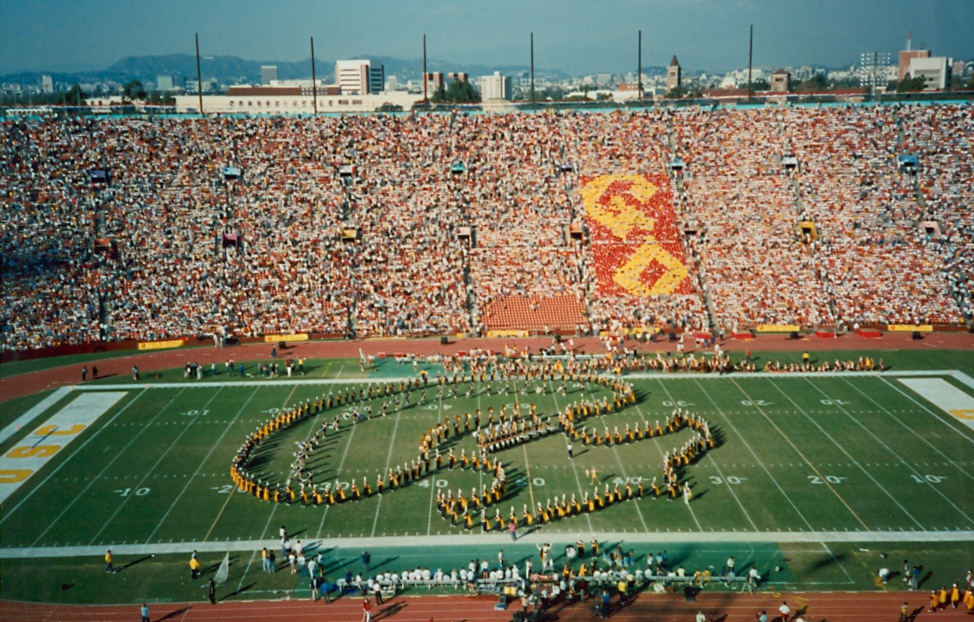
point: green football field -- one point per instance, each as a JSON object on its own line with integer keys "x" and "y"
{"x": 815, "y": 463}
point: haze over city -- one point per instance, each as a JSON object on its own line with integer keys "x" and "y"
{"x": 570, "y": 35}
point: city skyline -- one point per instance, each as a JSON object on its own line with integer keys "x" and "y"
{"x": 572, "y": 36}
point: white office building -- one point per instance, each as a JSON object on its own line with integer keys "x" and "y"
{"x": 495, "y": 87}
{"x": 359, "y": 77}
{"x": 935, "y": 70}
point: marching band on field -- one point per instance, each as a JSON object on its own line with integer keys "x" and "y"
{"x": 494, "y": 432}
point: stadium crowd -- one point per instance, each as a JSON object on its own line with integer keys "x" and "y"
{"x": 433, "y": 224}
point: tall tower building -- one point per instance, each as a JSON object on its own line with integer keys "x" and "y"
{"x": 673, "y": 75}
{"x": 495, "y": 87}
{"x": 268, "y": 74}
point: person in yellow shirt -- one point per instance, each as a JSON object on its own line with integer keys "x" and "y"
{"x": 194, "y": 566}
{"x": 108, "y": 561}
{"x": 954, "y": 596}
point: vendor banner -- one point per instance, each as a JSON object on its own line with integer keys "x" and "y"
{"x": 160, "y": 345}
{"x": 910, "y": 328}
{"x": 295, "y": 337}
{"x": 777, "y": 328}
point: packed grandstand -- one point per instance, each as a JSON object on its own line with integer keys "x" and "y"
{"x": 400, "y": 225}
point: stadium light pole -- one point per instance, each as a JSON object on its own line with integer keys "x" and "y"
{"x": 199, "y": 76}
{"x": 426, "y": 99}
{"x": 750, "y": 60}
{"x": 639, "y": 66}
{"x": 314, "y": 83}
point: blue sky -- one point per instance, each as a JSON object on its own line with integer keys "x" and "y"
{"x": 573, "y": 35}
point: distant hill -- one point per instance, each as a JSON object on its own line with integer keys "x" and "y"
{"x": 233, "y": 69}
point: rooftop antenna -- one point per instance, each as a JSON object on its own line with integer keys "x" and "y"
{"x": 750, "y": 58}
{"x": 909, "y": 40}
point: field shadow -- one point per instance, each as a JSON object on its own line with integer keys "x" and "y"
{"x": 134, "y": 562}
{"x": 391, "y": 610}
{"x": 176, "y": 613}
{"x": 829, "y": 561}
{"x": 239, "y": 591}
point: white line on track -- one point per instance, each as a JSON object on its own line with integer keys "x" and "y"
{"x": 125, "y": 500}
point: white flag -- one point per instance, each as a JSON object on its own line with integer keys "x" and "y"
{"x": 223, "y": 571}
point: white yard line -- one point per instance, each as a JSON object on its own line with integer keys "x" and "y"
{"x": 661, "y": 456}
{"x": 527, "y": 472}
{"x": 847, "y": 454}
{"x": 890, "y": 450}
{"x": 838, "y": 563}
{"x": 453, "y": 540}
{"x": 392, "y": 444}
{"x": 634, "y": 376}
{"x": 757, "y": 458}
{"x": 175, "y": 441}
{"x": 799, "y": 453}
{"x": 337, "y": 473}
{"x": 962, "y": 470}
{"x": 936, "y": 415}
{"x": 588, "y": 517}
{"x": 429, "y": 520}
{"x": 202, "y": 462}
{"x": 97, "y": 477}
{"x": 33, "y": 412}
{"x": 710, "y": 455}
{"x": 271, "y": 515}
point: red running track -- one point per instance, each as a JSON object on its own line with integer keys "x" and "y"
{"x": 718, "y": 606}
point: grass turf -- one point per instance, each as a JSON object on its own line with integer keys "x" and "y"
{"x": 822, "y": 453}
